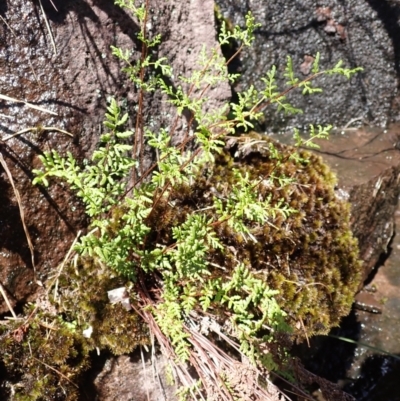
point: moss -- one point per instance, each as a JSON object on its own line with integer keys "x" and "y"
{"x": 310, "y": 257}
{"x": 119, "y": 330}
{"x": 84, "y": 298}
{"x": 47, "y": 354}
{"x": 44, "y": 357}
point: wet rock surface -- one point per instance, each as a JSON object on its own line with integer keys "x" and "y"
{"x": 367, "y": 164}
{"x": 364, "y": 370}
{"x": 69, "y": 70}
{"x": 361, "y": 33}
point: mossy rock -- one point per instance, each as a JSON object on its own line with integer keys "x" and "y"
{"x": 311, "y": 257}
{"x": 83, "y": 296}
{"x": 46, "y": 354}
{"x": 43, "y": 357}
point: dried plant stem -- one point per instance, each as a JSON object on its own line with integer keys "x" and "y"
{"x": 8, "y": 26}
{"x": 144, "y": 372}
{"x": 60, "y": 269}
{"x": 46, "y": 21}
{"x": 222, "y": 376}
{"x": 180, "y": 371}
{"x": 55, "y": 370}
{"x": 36, "y": 129}
{"x": 21, "y": 211}
{"x": 3, "y": 293}
{"x": 32, "y": 106}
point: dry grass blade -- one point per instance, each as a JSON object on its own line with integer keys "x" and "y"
{"x": 8, "y": 26}
{"x": 3, "y": 293}
{"x": 36, "y": 129}
{"x": 180, "y": 371}
{"x": 51, "y": 1}
{"x": 144, "y": 372}
{"x": 32, "y": 106}
{"x": 21, "y": 211}
{"x": 48, "y": 27}
{"x": 220, "y": 370}
{"x": 223, "y": 378}
{"x": 60, "y": 269}
{"x": 55, "y": 370}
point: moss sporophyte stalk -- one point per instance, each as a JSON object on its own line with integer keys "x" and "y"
{"x": 227, "y": 226}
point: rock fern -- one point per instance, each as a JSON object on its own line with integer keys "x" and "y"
{"x": 177, "y": 261}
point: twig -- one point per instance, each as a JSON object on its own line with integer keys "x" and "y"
{"x": 21, "y": 211}
{"x": 62, "y": 266}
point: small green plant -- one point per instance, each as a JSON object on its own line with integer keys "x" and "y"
{"x": 186, "y": 244}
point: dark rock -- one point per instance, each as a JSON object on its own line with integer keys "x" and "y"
{"x": 373, "y": 206}
{"x": 74, "y": 81}
{"x": 362, "y": 33}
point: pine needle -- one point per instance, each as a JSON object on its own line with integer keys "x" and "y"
{"x": 36, "y": 129}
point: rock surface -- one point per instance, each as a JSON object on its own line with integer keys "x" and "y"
{"x": 72, "y": 78}
{"x": 367, "y": 163}
{"x": 127, "y": 378}
{"x": 360, "y": 32}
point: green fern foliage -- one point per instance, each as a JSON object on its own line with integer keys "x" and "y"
{"x": 185, "y": 235}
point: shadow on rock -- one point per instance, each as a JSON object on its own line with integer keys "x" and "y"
{"x": 378, "y": 380}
